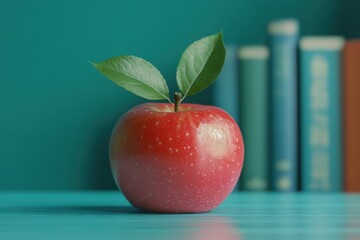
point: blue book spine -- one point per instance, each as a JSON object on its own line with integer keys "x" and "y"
{"x": 225, "y": 89}
{"x": 253, "y": 79}
{"x": 320, "y": 113}
{"x": 283, "y": 41}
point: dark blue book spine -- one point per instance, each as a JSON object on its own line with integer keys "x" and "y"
{"x": 283, "y": 41}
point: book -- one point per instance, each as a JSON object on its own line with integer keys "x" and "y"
{"x": 320, "y": 113}
{"x": 226, "y": 89}
{"x": 351, "y": 113}
{"x": 283, "y": 41}
{"x": 253, "y": 81}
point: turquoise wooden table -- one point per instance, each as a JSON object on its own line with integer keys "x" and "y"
{"x": 107, "y": 215}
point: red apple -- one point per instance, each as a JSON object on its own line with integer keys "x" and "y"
{"x": 176, "y": 162}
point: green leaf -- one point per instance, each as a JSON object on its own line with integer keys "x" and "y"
{"x": 135, "y": 75}
{"x": 200, "y": 64}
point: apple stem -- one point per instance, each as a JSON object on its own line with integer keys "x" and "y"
{"x": 178, "y": 97}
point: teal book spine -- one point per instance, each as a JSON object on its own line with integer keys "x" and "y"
{"x": 283, "y": 42}
{"x": 321, "y": 113}
{"x": 253, "y": 81}
{"x": 226, "y": 88}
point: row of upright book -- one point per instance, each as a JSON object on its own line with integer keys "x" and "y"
{"x": 297, "y": 101}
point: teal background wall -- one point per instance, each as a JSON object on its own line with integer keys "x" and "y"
{"x": 57, "y": 112}
{"x": 349, "y": 18}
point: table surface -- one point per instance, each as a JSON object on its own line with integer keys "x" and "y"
{"x": 107, "y": 215}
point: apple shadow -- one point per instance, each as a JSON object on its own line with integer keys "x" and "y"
{"x": 86, "y": 210}
{"x": 100, "y": 210}
{"x": 74, "y": 210}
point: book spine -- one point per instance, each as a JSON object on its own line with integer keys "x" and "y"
{"x": 253, "y": 80}
{"x": 283, "y": 39}
{"x": 225, "y": 89}
{"x": 351, "y": 97}
{"x": 320, "y": 113}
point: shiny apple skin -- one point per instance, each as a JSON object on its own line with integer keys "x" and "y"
{"x": 176, "y": 162}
